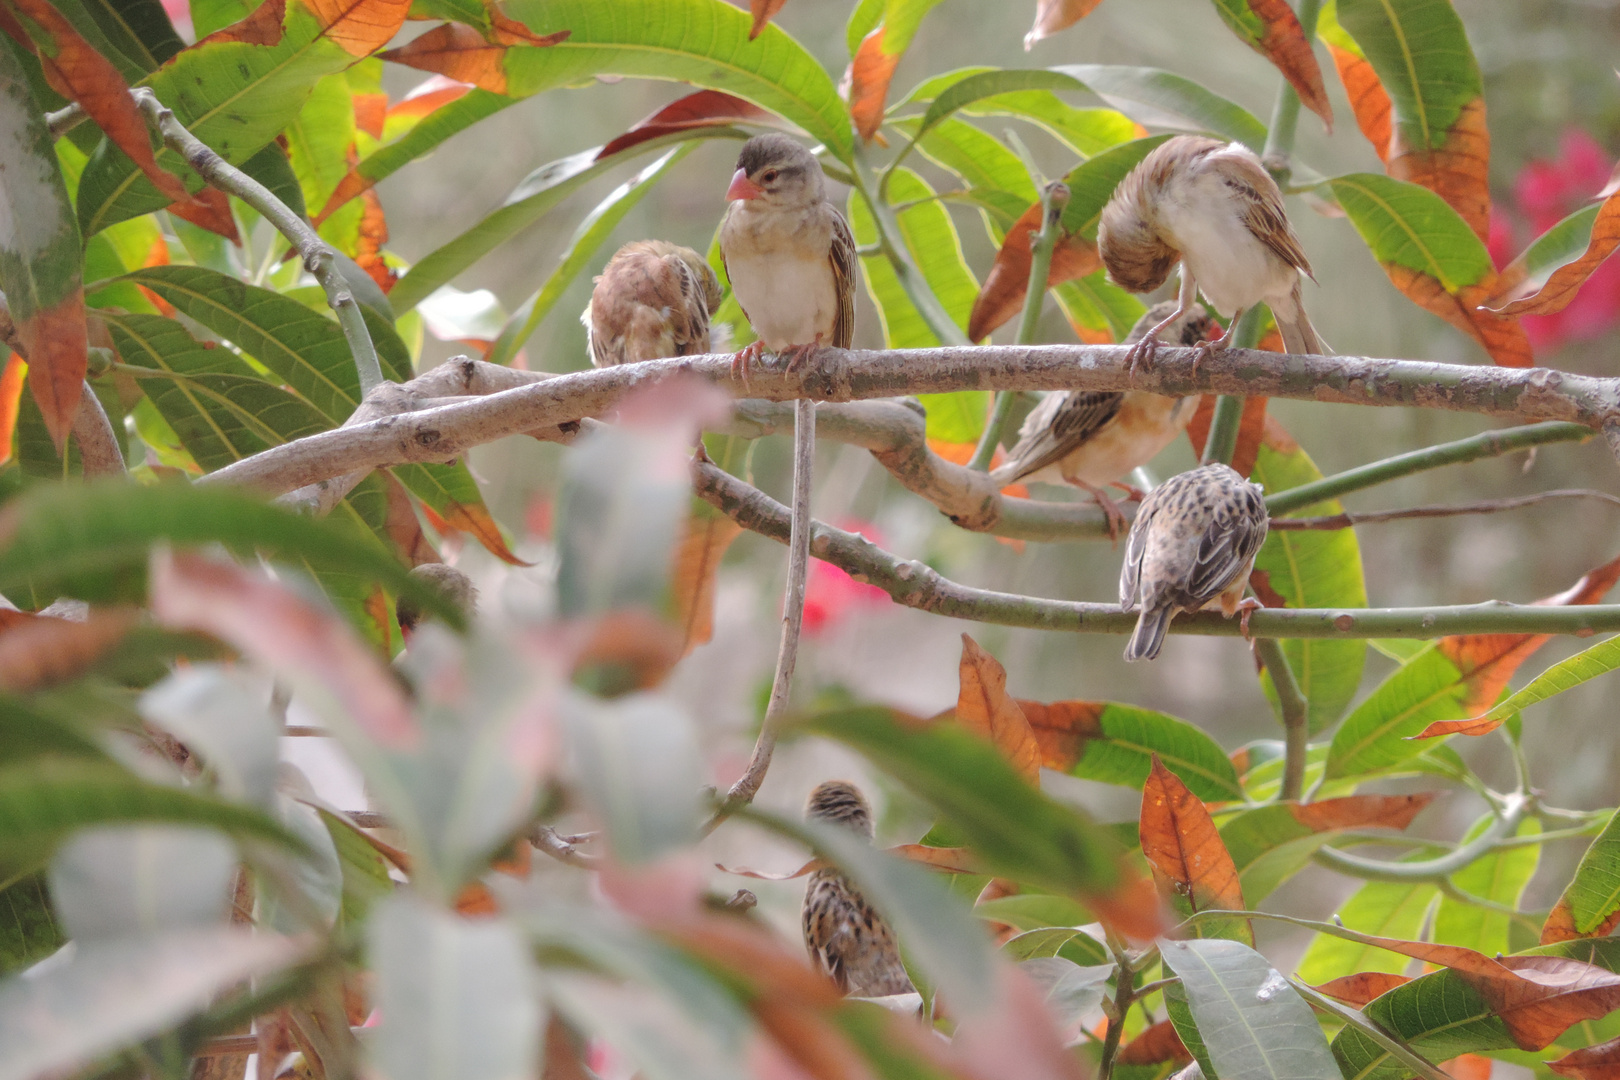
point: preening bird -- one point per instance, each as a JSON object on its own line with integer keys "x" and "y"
{"x": 1191, "y": 546}
{"x": 652, "y": 300}
{"x": 846, "y": 938}
{"x": 788, "y": 252}
{"x": 1212, "y": 206}
{"x": 1090, "y": 438}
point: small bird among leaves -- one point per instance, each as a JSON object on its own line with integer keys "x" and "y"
{"x": 448, "y": 582}
{"x": 846, "y": 938}
{"x": 653, "y": 299}
{"x": 1191, "y": 546}
{"x": 1214, "y": 207}
{"x": 788, "y": 252}
{"x": 1092, "y": 438}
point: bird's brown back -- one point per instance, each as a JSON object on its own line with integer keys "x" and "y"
{"x": 652, "y": 300}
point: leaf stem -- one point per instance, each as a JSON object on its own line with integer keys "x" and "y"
{"x": 1295, "y": 716}
{"x": 1054, "y": 197}
{"x": 320, "y": 258}
{"x": 1221, "y": 444}
{"x": 1285, "y": 113}
{"x": 1124, "y": 996}
{"x": 1439, "y": 869}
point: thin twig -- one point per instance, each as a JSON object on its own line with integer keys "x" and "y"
{"x": 1124, "y": 995}
{"x": 804, "y": 459}
{"x": 1295, "y": 716}
{"x": 320, "y": 258}
{"x": 1487, "y": 506}
{"x": 1437, "y": 869}
{"x": 1220, "y": 444}
{"x": 546, "y": 840}
{"x": 65, "y": 119}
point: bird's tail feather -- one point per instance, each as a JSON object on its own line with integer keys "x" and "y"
{"x": 1148, "y": 636}
{"x": 1298, "y": 335}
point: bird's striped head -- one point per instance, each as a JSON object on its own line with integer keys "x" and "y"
{"x": 841, "y": 803}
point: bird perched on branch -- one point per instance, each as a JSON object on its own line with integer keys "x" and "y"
{"x": 1212, "y": 206}
{"x": 652, "y": 300}
{"x": 1191, "y": 546}
{"x": 788, "y": 252}
{"x": 1090, "y": 438}
{"x": 448, "y": 582}
{"x": 846, "y": 938}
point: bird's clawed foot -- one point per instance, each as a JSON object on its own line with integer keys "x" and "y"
{"x": 1248, "y": 606}
{"x": 1111, "y": 512}
{"x": 745, "y": 359}
{"x": 1132, "y": 494}
{"x": 1206, "y": 349}
{"x": 1142, "y": 355}
{"x": 796, "y": 355}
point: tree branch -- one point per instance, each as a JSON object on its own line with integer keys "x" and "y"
{"x": 1486, "y": 506}
{"x": 1295, "y": 716}
{"x": 320, "y": 258}
{"x": 916, "y": 585}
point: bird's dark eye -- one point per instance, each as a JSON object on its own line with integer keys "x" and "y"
{"x": 769, "y": 176}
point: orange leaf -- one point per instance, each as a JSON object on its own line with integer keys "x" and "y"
{"x": 636, "y": 645}
{"x": 870, "y": 73}
{"x": 1286, "y": 46}
{"x": 382, "y": 620}
{"x": 1468, "y": 1067}
{"x": 1132, "y": 909}
{"x": 11, "y": 384}
{"x": 1062, "y": 729}
{"x": 984, "y": 708}
{"x": 1054, "y": 15}
{"x": 1600, "y": 1062}
{"x": 763, "y": 11}
{"x": 1251, "y": 429}
{"x": 38, "y": 651}
{"x": 463, "y": 54}
{"x": 370, "y": 113}
{"x": 1357, "y": 990}
{"x": 361, "y": 27}
{"x": 1156, "y": 1044}
{"x": 706, "y": 108}
{"x": 211, "y": 210}
{"x": 1361, "y": 811}
{"x": 1455, "y": 171}
{"x": 432, "y": 94}
{"x": 1488, "y": 661}
{"x": 403, "y": 527}
{"x": 1190, "y": 861}
{"x": 368, "y": 253}
{"x": 1560, "y": 288}
{"x": 1002, "y": 295}
{"x": 1560, "y": 924}
{"x": 57, "y": 344}
{"x": 1501, "y": 336}
{"x": 475, "y": 521}
{"x": 697, "y": 562}
{"x": 77, "y": 71}
{"x": 1368, "y": 98}
{"x": 263, "y": 27}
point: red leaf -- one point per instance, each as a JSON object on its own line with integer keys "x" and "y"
{"x": 11, "y": 384}
{"x": 1054, "y": 15}
{"x": 763, "y": 11}
{"x": 706, "y": 108}
{"x": 1357, "y": 990}
{"x": 476, "y": 522}
{"x": 211, "y": 210}
{"x": 1190, "y": 861}
{"x": 1501, "y": 336}
{"x": 361, "y": 27}
{"x": 984, "y": 707}
{"x": 1062, "y": 729}
{"x": 370, "y": 112}
{"x": 462, "y": 53}
{"x": 870, "y": 73}
{"x": 57, "y": 345}
{"x": 1002, "y": 295}
{"x": 1286, "y": 45}
{"x": 432, "y": 94}
{"x": 1600, "y": 1062}
{"x": 1560, "y": 288}
{"x": 1156, "y": 1044}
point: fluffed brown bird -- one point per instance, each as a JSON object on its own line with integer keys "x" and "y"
{"x": 846, "y": 938}
{"x": 1213, "y": 206}
{"x": 1191, "y": 546}
{"x": 448, "y": 582}
{"x": 652, "y": 300}
{"x": 1090, "y": 438}
{"x": 788, "y": 252}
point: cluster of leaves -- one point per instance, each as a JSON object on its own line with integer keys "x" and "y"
{"x": 144, "y": 815}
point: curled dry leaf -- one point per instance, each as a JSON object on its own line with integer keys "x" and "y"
{"x": 1357, "y": 990}
{"x": 1487, "y": 661}
{"x": 1002, "y": 295}
{"x": 1190, "y": 861}
{"x": 1600, "y": 1062}
{"x": 1555, "y": 294}
{"x": 460, "y": 52}
{"x": 985, "y": 708}
{"x": 1054, "y": 15}
{"x": 1157, "y": 1044}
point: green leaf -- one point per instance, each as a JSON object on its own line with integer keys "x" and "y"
{"x": 1253, "y": 1024}
{"x": 138, "y": 29}
{"x": 1313, "y": 569}
{"x": 1420, "y": 52}
{"x": 581, "y": 250}
{"x": 1092, "y": 183}
{"x": 1160, "y": 99}
{"x": 1378, "y": 734}
{"x": 697, "y": 41}
{"x": 365, "y": 873}
{"x": 28, "y": 930}
{"x": 862, "y": 21}
{"x": 1499, "y": 878}
{"x": 639, "y": 771}
{"x": 1085, "y": 131}
{"x": 1098, "y": 304}
{"x": 1019, "y": 832}
{"x": 1032, "y": 911}
{"x": 1269, "y": 844}
{"x": 532, "y": 199}
{"x": 1394, "y": 909}
{"x": 233, "y": 96}
{"x": 1408, "y": 226}
{"x": 319, "y": 140}
{"x": 1600, "y": 659}
{"x": 1123, "y": 753}
{"x": 1593, "y": 893}
{"x": 1558, "y": 246}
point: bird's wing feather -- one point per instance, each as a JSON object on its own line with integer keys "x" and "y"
{"x": 731, "y": 208}
{"x": 689, "y": 318}
{"x": 1263, "y": 209}
{"x": 842, "y": 257}
{"x": 1226, "y": 547}
{"x": 1135, "y": 548}
{"x": 1061, "y": 424}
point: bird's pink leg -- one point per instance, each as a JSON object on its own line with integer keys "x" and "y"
{"x": 1111, "y": 512}
{"x": 1205, "y": 349}
{"x": 1132, "y": 494}
{"x": 1248, "y": 606}
{"x": 744, "y": 359}
{"x": 1145, "y": 350}
{"x": 796, "y": 354}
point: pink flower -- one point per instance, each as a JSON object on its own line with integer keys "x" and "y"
{"x": 830, "y": 594}
{"x": 179, "y": 13}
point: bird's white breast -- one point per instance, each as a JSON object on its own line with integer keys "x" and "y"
{"x": 1203, "y": 219}
{"x": 782, "y": 276}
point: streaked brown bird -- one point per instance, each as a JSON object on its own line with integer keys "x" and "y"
{"x": 1191, "y": 546}
{"x": 788, "y": 252}
{"x": 846, "y": 938}
{"x": 652, "y": 300}
{"x": 1091, "y": 438}
{"x": 1212, "y": 206}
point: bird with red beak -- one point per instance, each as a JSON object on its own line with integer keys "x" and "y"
{"x": 788, "y": 252}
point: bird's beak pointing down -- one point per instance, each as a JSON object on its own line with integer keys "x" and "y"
{"x": 742, "y": 188}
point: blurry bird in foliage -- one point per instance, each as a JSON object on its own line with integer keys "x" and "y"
{"x": 652, "y": 300}
{"x": 448, "y": 582}
{"x": 846, "y": 938}
{"x": 1090, "y": 438}
{"x": 1214, "y": 207}
{"x": 1191, "y": 546}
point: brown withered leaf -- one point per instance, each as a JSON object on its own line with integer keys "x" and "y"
{"x": 37, "y": 651}
{"x": 1286, "y": 45}
{"x": 57, "y": 344}
{"x": 1600, "y": 1062}
{"x": 211, "y": 210}
{"x": 1456, "y": 171}
{"x": 1156, "y": 1044}
{"x": 361, "y": 27}
{"x": 460, "y": 52}
{"x": 1561, "y": 286}
{"x": 1488, "y": 661}
{"x": 763, "y": 11}
{"x": 1054, "y": 15}
{"x": 476, "y": 521}
{"x": 1368, "y": 99}
{"x": 1501, "y": 336}
{"x": 985, "y": 708}
{"x": 1002, "y": 294}
{"x": 870, "y": 73}
{"x": 706, "y": 108}
{"x": 371, "y": 113}
{"x": 368, "y": 254}
{"x": 1190, "y": 861}
{"x": 1362, "y": 811}
{"x": 1357, "y": 990}
{"x": 1062, "y": 729}
{"x": 403, "y": 526}
{"x": 1251, "y": 428}
{"x": 262, "y": 27}
{"x": 1560, "y": 924}
{"x": 697, "y": 563}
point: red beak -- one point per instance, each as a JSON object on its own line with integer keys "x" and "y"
{"x": 742, "y": 188}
